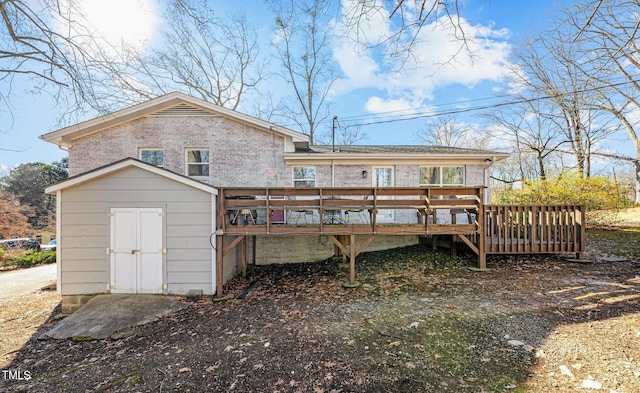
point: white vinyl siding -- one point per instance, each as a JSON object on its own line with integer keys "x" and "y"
{"x": 84, "y": 230}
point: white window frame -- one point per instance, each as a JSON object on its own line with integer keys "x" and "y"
{"x": 384, "y": 215}
{"x": 141, "y": 150}
{"x": 305, "y": 179}
{"x": 440, "y": 182}
{"x": 207, "y": 163}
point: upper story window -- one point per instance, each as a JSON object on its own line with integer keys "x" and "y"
{"x": 304, "y": 176}
{"x": 152, "y": 156}
{"x": 197, "y": 162}
{"x": 441, "y": 176}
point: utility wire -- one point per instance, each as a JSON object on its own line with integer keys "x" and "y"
{"x": 480, "y": 107}
{"x": 398, "y": 115}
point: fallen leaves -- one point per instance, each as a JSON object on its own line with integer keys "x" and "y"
{"x": 302, "y": 332}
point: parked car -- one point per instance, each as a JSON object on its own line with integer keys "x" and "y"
{"x": 51, "y": 246}
{"x": 23, "y": 243}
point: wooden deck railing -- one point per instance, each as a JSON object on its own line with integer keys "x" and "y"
{"x": 534, "y": 229}
{"x": 393, "y": 210}
{"x": 343, "y": 213}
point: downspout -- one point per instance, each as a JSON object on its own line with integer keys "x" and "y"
{"x": 487, "y": 179}
{"x": 486, "y": 183}
{"x": 214, "y": 252}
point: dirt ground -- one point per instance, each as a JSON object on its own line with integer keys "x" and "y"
{"x": 422, "y": 322}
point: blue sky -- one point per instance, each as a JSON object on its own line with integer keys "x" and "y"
{"x": 368, "y": 86}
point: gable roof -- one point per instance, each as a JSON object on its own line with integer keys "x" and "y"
{"x": 172, "y": 103}
{"x": 124, "y": 164}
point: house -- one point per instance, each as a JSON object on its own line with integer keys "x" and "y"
{"x": 138, "y": 212}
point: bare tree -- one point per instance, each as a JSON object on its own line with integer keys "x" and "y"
{"x": 549, "y": 68}
{"x": 303, "y": 47}
{"x": 43, "y": 41}
{"x": 342, "y": 135}
{"x": 534, "y": 138}
{"x": 409, "y": 17}
{"x": 607, "y": 32}
{"x": 449, "y": 131}
{"x": 207, "y": 56}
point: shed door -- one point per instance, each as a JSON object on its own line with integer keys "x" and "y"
{"x": 136, "y": 250}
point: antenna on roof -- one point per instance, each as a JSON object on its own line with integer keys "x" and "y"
{"x": 333, "y": 134}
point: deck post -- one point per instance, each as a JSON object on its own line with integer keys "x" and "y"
{"x": 219, "y": 267}
{"x": 254, "y": 241}
{"x": 352, "y": 256}
{"x": 244, "y": 257}
{"x": 482, "y": 238}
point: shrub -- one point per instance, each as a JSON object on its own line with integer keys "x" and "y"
{"x": 594, "y": 193}
{"x": 33, "y": 257}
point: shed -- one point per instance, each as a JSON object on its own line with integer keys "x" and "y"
{"x": 132, "y": 227}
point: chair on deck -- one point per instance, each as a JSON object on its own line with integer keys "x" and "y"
{"x": 297, "y": 214}
{"x": 360, "y": 212}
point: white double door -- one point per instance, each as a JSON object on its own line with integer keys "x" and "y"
{"x": 136, "y": 250}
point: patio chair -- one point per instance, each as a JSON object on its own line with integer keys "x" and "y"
{"x": 360, "y": 212}
{"x": 295, "y": 215}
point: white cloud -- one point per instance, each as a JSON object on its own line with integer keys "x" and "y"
{"x": 378, "y": 105}
{"x": 438, "y": 60}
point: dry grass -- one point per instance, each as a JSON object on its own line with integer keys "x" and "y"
{"x": 20, "y": 318}
{"x": 629, "y": 216}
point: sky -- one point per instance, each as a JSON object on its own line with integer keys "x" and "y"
{"x": 368, "y": 86}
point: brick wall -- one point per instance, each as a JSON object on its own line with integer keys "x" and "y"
{"x": 405, "y": 175}
{"x": 239, "y": 155}
{"x": 291, "y": 249}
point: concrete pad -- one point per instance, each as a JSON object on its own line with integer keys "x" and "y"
{"x": 105, "y": 314}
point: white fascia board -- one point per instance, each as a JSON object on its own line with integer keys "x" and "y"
{"x": 364, "y": 158}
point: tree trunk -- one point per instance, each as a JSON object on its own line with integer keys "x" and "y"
{"x": 637, "y": 166}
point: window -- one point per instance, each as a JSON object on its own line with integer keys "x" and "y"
{"x": 152, "y": 156}
{"x": 304, "y": 176}
{"x": 197, "y": 162}
{"x": 442, "y": 176}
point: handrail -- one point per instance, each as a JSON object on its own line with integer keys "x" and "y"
{"x": 412, "y": 204}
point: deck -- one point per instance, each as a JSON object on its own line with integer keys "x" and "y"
{"x": 343, "y": 213}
